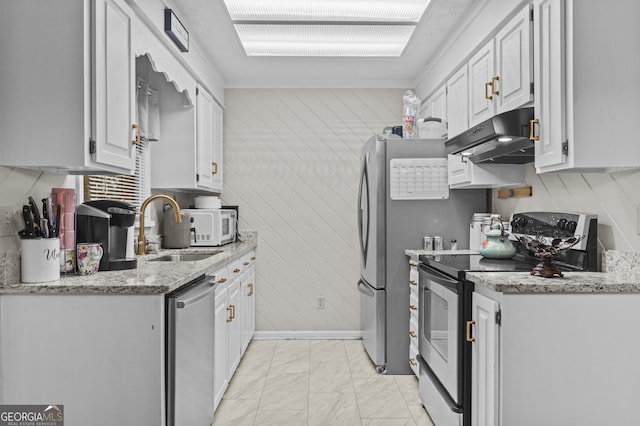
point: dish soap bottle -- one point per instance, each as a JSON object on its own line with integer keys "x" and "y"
{"x": 497, "y": 244}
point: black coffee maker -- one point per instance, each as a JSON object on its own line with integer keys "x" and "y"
{"x": 109, "y": 223}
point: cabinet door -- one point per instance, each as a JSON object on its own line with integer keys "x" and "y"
{"x": 113, "y": 71}
{"x": 223, "y": 318}
{"x": 549, "y": 81}
{"x": 216, "y": 148}
{"x": 458, "y": 102}
{"x": 458, "y": 169}
{"x": 235, "y": 331}
{"x": 482, "y": 95}
{"x": 513, "y": 63}
{"x": 484, "y": 362}
{"x": 204, "y": 138}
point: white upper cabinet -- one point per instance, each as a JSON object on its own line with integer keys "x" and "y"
{"x": 67, "y": 86}
{"x": 586, "y": 85}
{"x": 500, "y": 73}
{"x": 514, "y": 65}
{"x": 482, "y": 81}
{"x": 209, "y": 142}
{"x": 458, "y": 102}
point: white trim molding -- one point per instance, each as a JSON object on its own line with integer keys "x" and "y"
{"x": 309, "y": 335}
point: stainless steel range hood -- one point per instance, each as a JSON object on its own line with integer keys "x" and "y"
{"x": 502, "y": 139}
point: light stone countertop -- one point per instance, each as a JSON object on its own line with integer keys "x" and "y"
{"x": 148, "y": 278}
{"x": 571, "y": 282}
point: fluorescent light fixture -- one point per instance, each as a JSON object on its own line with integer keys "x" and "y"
{"x": 505, "y": 139}
{"x": 324, "y": 40}
{"x": 466, "y": 154}
{"x": 353, "y": 28}
{"x": 327, "y": 10}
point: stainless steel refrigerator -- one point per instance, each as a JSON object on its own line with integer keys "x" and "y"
{"x": 402, "y": 196}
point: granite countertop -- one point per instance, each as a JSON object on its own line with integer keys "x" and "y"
{"x": 148, "y": 278}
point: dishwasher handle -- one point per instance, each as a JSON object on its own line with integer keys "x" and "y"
{"x": 196, "y": 292}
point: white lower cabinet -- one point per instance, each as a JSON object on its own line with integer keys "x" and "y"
{"x": 484, "y": 362}
{"x": 554, "y": 358}
{"x": 234, "y": 317}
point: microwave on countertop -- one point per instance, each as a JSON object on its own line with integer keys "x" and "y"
{"x": 213, "y": 227}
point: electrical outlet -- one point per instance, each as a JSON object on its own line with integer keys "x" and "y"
{"x": 7, "y": 221}
{"x": 320, "y": 302}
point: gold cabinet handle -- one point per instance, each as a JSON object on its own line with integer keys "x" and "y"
{"x": 235, "y": 271}
{"x": 413, "y": 265}
{"x": 230, "y": 317}
{"x": 222, "y": 280}
{"x": 138, "y": 139}
{"x": 412, "y": 361}
{"x": 469, "y": 324}
{"x": 413, "y": 334}
{"x": 215, "y": 168}
{"x": 246, "y": 263}
{"x": 253, "y": 258}
{"x": 532, "y": 124}
{"x": 412, "y": 282}
{"x": 487, "y": 93}
{"x": 413, "y": 307}
{"x": 250, "y": 285}
{"x": 233, "y": 311}
{"x": 493, "y": 85}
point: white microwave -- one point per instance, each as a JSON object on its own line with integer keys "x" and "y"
{"x": 213, "y": 227}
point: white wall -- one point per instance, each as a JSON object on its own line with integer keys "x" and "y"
{"x": 292, "y": 163}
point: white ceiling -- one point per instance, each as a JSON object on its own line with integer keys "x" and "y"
{"x": 211, "y": 29}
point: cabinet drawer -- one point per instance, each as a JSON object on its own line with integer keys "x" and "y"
{"x": 413, "y": 308}
{"x": 413, "y": 331}
{"x": 222, "y": 276}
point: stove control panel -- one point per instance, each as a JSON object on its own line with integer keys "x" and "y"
{"x": 550, "y": 225}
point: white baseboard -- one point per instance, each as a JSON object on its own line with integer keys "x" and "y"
{"x": 309, "y": 335}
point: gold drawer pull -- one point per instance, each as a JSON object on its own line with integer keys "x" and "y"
{"x": 412, "y": 361}
{"x": 250, "y": 285}
{"x": 233, "y": 311}
{"x": 230, "y": 317}
{"x": 469, "y": 324}
{"x": 413, "y": 282}
{"x": 215, "y": 168}
{"x": 531, "y": 127}
{"x": 413, "y": 334}
{"x": 222, "y": 280}
{"x": 413, "y": 265}
{"x": 246, "y": 263}
{"x": 413, "y": 307}
{"x": 253, "y": 258}
{"x": 236, "y": 270}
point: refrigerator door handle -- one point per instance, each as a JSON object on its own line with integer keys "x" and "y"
{"x": 363, "y": 208}
{"x": 364, "y": 289}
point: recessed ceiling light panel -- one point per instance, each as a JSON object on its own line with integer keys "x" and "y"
{"x": 324, "y": 40}
{"x": 327, "y": 10}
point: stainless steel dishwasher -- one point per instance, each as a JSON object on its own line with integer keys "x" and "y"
{"x": 190, "y": 340}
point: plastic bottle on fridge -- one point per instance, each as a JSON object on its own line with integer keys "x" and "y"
{"x": 409, "y": 113}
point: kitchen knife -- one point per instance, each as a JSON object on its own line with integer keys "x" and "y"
{"x": 36, "y": 216}
{"x": 28, "y": 231}
{"x": 47, "y": 213}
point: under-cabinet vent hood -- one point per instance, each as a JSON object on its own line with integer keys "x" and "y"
{"x": 502, "y": 139}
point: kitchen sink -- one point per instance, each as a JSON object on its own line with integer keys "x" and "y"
{"x": 185, "y": 257}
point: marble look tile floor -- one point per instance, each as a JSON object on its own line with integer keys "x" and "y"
{"x": 317, "y": 383}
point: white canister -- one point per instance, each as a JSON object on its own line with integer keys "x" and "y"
{"x": 39, "y": 261}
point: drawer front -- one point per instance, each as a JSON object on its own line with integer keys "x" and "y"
{"x": 413, "y": 360}
{"x": 413, "y": 308}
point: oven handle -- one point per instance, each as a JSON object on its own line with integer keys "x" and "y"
{"x": 440, "y": 278}
{"x": 364, "y": 289}
{"x": 456, "y": 408}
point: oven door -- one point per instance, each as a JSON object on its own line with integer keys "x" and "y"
{"x": 227, "y": 226}
{"x": 439, "y": 341}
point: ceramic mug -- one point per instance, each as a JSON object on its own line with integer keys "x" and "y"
{"x": 88, "y": 257}
{"x": 39, "y": 260}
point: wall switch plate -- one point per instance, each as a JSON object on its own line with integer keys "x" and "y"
{"x": 8, "y": 225}
{"x": 320, "y": 302}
